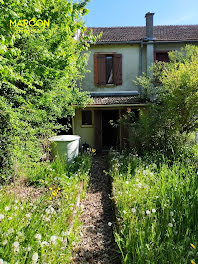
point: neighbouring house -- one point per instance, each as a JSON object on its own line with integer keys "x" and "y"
{"x": 117, "y": 58}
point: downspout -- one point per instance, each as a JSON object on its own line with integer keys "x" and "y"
{"x": 140, "y": 64}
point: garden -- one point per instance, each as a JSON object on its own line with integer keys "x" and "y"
{"x": 40, "y": 222}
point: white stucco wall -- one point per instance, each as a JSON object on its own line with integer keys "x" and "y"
{"x": 130, "y": 68}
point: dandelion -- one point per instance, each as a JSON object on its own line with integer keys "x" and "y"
{"x": 44, "y": 243}
{"x": 109, "y": 224}
{"x": 5, "y": 242}
{"x": 34, "y": 257}
{"x": 7, "y": 208}
{"x": 133, "y": 210}
{"x": 153, "y": 210}
{"x": 148, "y": 212}
{"x": 171, "y": 213}
{"x": 170, "y": 225}
{"x": 38, "y": 236}
{"x": 16, "y": 246}
{"x": 53, "y": 239}
{"x": 193, "y": 246}
{"x": 28, "y": 215}
{"x": 1, "y": 217}
{"x": 50, "y": 188}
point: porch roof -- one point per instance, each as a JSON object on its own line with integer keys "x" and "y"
{"x": 117, "y": 100}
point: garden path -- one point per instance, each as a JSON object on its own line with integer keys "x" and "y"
{"x": 97, "y": 244}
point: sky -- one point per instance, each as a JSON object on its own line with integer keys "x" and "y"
{"x": 112, "y": 13}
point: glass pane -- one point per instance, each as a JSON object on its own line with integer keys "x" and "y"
{"x": 109, "y": 69}
{"x": 86, "y": 118}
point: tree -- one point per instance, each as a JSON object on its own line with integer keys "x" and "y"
{"x": 40, "y": 66}
{"x": 172, "y": 97}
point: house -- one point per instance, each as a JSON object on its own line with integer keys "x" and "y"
{"x": 118, "y": 57}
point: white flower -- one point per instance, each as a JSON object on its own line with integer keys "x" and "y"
{"x": 1, "y": 217}
{"x": 53, "y": 239}
{"x": 124, "y": 212}
{"x": 148, "y": 212}
{"x": 10, "y": 218}
{"x": 133, "y": 210}
{"x": 29, "y": 248}
{"x": 28, "y": 215}
{"x": 44, "y": 243}
{"x": 139, "y": 185}
{"x": 127, "y": 182}
{"x": 7, "y": 208}
{"x": 153, "y": 211}
{"x": 171, "y": 213}
{"x": 16, "y": 244}
{"x": 1, "y": 261}
{"x": 5, "y": 242}
{"x": 38, "y": 236}
{"x": 35, "y": 257}
{"x": 109, "y": 224}
{"x": 16, "y": 208}
{"x": 170, "y": 225}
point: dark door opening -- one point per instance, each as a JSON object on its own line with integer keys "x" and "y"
{"x": 110, "y": 129}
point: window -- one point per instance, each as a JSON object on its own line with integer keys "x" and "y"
{"x": 107, "y": 69}
{"x": 162, "y": 56}
{"x": 86, "y": 118}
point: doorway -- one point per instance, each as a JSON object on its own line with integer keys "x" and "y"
{"x": 110, "y": 129}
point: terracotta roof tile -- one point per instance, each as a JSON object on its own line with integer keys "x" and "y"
{"x": 112, "y": 100}
{"x": 161, "y": 33}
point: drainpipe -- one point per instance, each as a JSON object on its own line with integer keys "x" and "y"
{"x": 149, "y": 41}
{"x": 140, "y": 64}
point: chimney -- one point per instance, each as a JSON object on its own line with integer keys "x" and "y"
{"x": 149, "y": 25}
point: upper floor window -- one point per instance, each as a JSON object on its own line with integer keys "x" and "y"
{"x": 162, "y": 56}
{"x": 107, "y": 69}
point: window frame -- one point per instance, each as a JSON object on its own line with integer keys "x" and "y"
{"x": 92, "y": 118}
{"x": 117, "y": 80}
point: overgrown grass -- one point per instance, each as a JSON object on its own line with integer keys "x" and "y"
{"x": 157, "y": 210}
{"x": 36, "y": 231}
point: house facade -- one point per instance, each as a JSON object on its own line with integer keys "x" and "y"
{"x": 117, "y": 58}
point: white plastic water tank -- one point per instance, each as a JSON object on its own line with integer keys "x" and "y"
{"x": 65, "y": 146}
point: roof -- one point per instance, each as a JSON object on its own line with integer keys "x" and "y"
{"x": 114, "y": 100}
{"x": 161, "y": 33}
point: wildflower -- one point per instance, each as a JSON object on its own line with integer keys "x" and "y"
{"x": 171, "y": 213}
{"x": 38, "y": 236}
{"x": 127, "y": 182}
{"x": 16, "y": 246}
{"x": 170, "y": 225}
{"x": 7, "y": 208}
{"x": 153, "y": 210}
{"x": 50, "y": 188}
{"x": 54, "y": 193}
{"x": 29, "y": 248}
{"x": 1, "y": 217}
{"x": 5, "y": 242}
{"x": 133, "y": 210}
{"x": 28, "y": 215}
{"x": 93, "y": 150}
{"x": 53, "y": 239}
{"x": 44, "y": 243}
{"x": 1, "y": 261}
{"x": 193, "y": 246}
{"x": 192, "y": 261}
{"x": 109, "y": 224}
{"x": 50, "y": 198}
{"x": 34, "y": 257}
{"x": 148, "y": 212}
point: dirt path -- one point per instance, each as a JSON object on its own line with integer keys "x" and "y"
{"x": 97, "y": 241}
